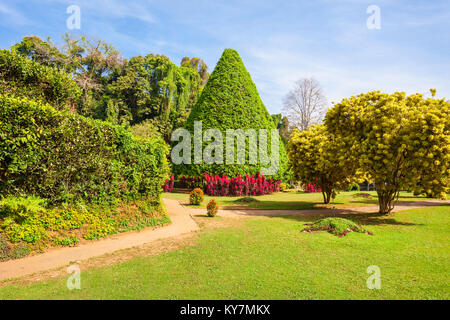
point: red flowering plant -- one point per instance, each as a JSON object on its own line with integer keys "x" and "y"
{"x": 168, "y": 185}
{"x": 236, "y": 186}
{"x": 312, "y": 186}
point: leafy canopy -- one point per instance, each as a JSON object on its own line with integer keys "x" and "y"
{"x": 26, "y": 78}
{"x": 399, "y": 141}
{"x": 152, "y": 87}
{"x": 318, "y": 157}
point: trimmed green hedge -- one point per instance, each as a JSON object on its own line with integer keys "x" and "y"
{"x": 65, "y": 157}
{"x": 24, "y": 77}
{"x": 230, "y": 100}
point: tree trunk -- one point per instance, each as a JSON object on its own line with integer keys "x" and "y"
{"x": 326, "y": 196}
{"x": 386, "y": 200}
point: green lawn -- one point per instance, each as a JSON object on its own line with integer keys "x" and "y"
{"x": 296, "y": 200}
{"x": 269, "y": 258}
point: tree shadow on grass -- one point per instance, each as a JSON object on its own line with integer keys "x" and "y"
{"x": 285, "y": 205}
{"x": 365, "y": 218}
{"x": 359, "y": 218}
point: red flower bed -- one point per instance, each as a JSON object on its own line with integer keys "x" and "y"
{"x": 236, "y": 186}
{"x": 225, "y": 186}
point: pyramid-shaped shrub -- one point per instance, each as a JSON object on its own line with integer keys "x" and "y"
{"x": 230, "y": 100}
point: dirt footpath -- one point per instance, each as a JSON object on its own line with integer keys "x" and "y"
{"x": 182, "y": 223}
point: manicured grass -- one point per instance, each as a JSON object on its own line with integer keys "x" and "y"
{"x": 296, "y": 200}
{"x": 270, "y": 258}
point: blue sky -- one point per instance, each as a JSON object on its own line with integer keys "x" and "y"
{"x": 279, "y": 41}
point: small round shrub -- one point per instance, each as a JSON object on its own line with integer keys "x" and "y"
{"x": 283, "y": 186}
{"x": 196, "y": 196}
{"x": 212, "y": 208}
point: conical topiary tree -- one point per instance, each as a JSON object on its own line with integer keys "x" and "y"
{"x": 230, "y": 100}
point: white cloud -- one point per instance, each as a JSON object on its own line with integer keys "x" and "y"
{"x": 9, "y": 15}
{"x": 274, "y": 68}
{"x": 140, "y": 10}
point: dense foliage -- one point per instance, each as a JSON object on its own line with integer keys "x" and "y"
{"x": 26, "y": 78}
{"x": 230, "y": 101}
{"x": 318, "y": 158}
{"x": 145, "y": 89}
{"x": 151, "y": 87}
{"x": 400, "y": 142}
{"x": 89, "y": 62}
{"x": 282, "y": 124}
{"x": 28, "y": 223}
{"x": 64, "y": 157}
{"x": 169, "y": 184}
{"x": 191, "y": 182}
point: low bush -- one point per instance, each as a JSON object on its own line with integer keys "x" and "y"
{"x": 212, "y": 208}
{"x": 336, "y": 226}
{"x": 25, "y": 224}
{"x": 20, "y": 251}
{"x": 196, "y": 196}
{"x": 21, "y": 206}
{"x": 283, "y": 186}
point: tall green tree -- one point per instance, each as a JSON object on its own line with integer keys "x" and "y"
{"x": 23, "y": 77}
{"x": 43, "y": 52}
{"x": 398, "y": 140}
{"x": 198, "y": 65}
{"x": 230, "y": 100}
{"x": 90, "y": 62}
{"x": 282, "y": 124}
{"x": 317, "y": 158}
{"x": 153, "y": 88}
{"x": 146, "y": 89}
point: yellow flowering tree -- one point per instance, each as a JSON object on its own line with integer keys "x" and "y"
{"x": 402, "y": 142}
{"x": 317, "y": 157}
